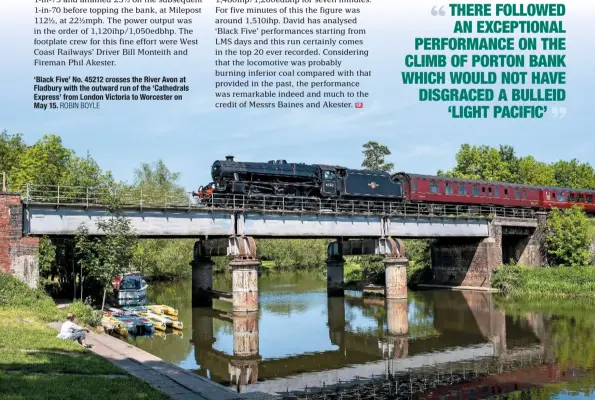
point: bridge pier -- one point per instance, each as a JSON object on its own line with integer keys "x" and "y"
{"x": 335, "y": 264}
{"x": 202, "y": 282}
{"x": 244, "y": 278}
{"x": 18, "y": 253}
{"x": 396, "y": 277}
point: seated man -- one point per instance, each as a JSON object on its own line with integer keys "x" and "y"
{"x": 71, "y": 331}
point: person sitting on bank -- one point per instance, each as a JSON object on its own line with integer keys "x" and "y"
{"x": 71, "y": 331}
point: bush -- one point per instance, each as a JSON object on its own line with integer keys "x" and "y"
{"x": 16, "y": 294}
{"x": 85, "y": 314}
{"x": 568, "y": 238}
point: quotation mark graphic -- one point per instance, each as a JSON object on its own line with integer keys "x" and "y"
{"x": 559, "y": 112}
{"x": 440, "y": 12}
{"x": 359, "y": 105}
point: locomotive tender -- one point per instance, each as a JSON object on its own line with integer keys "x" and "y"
{"x": 280, "y": 178}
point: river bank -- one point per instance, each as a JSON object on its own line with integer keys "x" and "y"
{"x": 34, "y": 364}
{"x": 545, "y": 282}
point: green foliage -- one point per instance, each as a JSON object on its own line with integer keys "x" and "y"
{"x": 502, "y": 164}
{"x": 162, "y": 259}
{"x": 374, "y": 154}
{"x": 45, "y": 163}
{"x": 484, "y": 162}
{"x": 567, "y": 237}
{"x": 106, "y": 256}
{"x": 85, "y": 314}
{"x": 519, "y": 281}
{"x": 293, "y": 253}
{"x": 11, "y": 147}
{"x": 16, "y": 294}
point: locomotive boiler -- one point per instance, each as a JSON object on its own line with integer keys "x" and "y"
{"x": 280, "y": 178}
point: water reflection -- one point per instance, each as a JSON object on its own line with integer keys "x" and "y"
{"x": 303, "y": 338}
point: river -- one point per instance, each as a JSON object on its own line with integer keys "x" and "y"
{"x": 438, "y": 342}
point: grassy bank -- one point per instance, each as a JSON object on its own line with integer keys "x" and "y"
{"x": 552, "y": 282}
{"x": 34, "y": 364}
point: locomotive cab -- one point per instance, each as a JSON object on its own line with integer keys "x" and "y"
{"x": 329, "y": 182}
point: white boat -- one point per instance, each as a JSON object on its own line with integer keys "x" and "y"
{"x": 132, "y": 290}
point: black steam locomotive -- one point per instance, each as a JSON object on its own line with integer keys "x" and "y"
{"x": 280, "y": 178}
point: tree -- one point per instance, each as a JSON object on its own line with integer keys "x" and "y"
{"x": 44, "y": 163}
{"x": 533, "y": 172}
{"x": 574, "y": 174}
{"x": 157, "y": 178}
{"x": 483, "y": 162}
{"x": 110, "y": 255}
{"x": 567, "y": 237}
{"x": 374, "y": 154}
{"x": 11, "y": 148}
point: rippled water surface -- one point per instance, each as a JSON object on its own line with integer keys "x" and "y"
{"x": 437, "y": 342}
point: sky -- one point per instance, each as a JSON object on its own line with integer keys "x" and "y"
{"x": 189, "y": 135}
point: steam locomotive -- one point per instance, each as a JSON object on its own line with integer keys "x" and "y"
{"x": 280, "y": 178}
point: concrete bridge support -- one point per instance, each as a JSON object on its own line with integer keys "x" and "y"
{"x": 202, "y": 278}
{"x": 396, "y": 277}
{"x": 244, "y": 267}
{"x": 18, "y": 254}
{"x": 244, "y": 280}
{"x": 335, "y": 269}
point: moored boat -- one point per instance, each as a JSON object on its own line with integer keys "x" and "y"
{"x": 113, "y": 325}
{"x": 132, "y": 289}
{"x": 163, "y": 309}
{"x": 148, "y": 313}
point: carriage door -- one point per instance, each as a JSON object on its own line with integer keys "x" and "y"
{"x": 329, "y": 183}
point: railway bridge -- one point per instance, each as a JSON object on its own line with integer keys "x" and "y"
{"x": 471, "y": 240}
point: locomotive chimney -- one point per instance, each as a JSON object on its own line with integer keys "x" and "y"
{"x": 228, "y": 158}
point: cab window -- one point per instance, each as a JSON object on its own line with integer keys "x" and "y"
{"x": 329, "y": 175}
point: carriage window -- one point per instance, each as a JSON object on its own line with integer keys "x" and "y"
{"x": 462, "y": 189}
{"x": 553, "y": 196}
{"x": 589, "y": 198}
{"x": 475, "y": 190}
{"x": 414, "y": 183}
{"x": 517, "y": 194}
{"x": 506, "y": 192}
{"x": 524, "y": 194}
{"x": 433, "y": 187}
{"x": 581, "y": 198}
{"x": 448, "y": 188}
{"x": 490, "y": 191}
{"x": 571, "y": 197}
{"x": 560, "y": 196}
{"x": 483, "y": 189}
{"x": 329, "y": 175}
{"x": 547, "y": 195}
{"x": 497, "y": 192}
